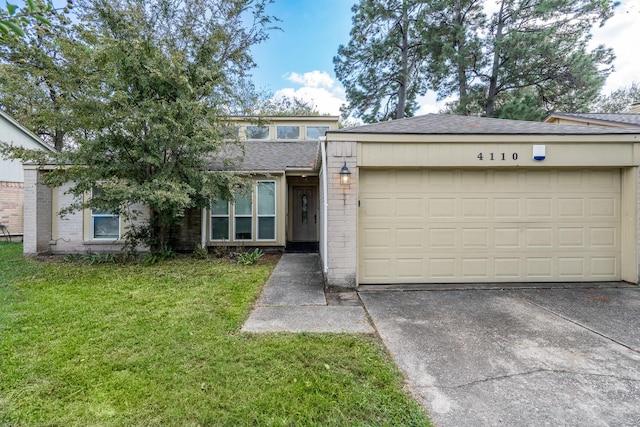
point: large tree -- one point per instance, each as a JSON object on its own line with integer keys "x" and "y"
{"x": 42, "y": 76}
{"x": 382, "y": 67}
{"x": 533, "y": 55}
{"x": 165, "y": 72}
{"x": 520, "y": 60}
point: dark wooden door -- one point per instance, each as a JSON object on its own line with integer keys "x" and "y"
{"x": 305, "y": 214}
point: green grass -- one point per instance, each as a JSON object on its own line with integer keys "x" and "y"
{"x": 120, "y": 345}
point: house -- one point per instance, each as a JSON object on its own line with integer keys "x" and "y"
{"x": 11, "y": 175}
{"x": 630, "y": 118}
{"x": 450, "y": 199}
{"x": 282, "y": 157}
{"x": 428, "y": 199}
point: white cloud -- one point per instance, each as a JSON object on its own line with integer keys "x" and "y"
{"x": 313, "y": 78}
{"x": 317, "y": 88}
{"x": 620, "y": 32}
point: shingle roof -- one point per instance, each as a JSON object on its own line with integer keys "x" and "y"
{"x": 616, "y": 119}
{"x": 447, "y": 124}
{"x": 271, "y": 156}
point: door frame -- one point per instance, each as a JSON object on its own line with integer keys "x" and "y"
{"x": 299, "y": 182}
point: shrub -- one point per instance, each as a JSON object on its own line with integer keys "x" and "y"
{"x": 249, "y": 258}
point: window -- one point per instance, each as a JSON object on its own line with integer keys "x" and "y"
{"x": 243, "y": 217}
{"x": 257, "y": 132}
{"x": 288, "y": 132}
{"x": 219, "y": 219}
{"x": 250, "y": 216}
{"x": 266, "y": 210}
{"x": 104, "y": 224}
{"x": 230, "y": 132}
{"x": 314, "y": 132}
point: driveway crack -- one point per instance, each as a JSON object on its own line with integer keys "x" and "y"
{"x": 532, "y": 372}
{"x": 583, "y": 326}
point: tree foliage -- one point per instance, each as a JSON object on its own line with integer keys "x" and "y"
{"x": 155, "y": 114}
{"x": 383, "y": 66}
{"x": 286, "y": 106}
{"x": 42, "y": 76}
{"x": 14, "y": 19}
{"x": 618, "y": 101}
{"x": 521, "y": 60}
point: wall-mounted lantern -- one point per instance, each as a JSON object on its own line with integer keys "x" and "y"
{"x": 345, "y": 174}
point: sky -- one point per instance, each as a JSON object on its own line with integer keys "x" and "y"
{"x": 298, "y": 59}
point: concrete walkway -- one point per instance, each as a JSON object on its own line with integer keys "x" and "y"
{"x": 294, "y": 300}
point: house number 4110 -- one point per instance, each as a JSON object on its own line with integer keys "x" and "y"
{"x": 497, "y": 156}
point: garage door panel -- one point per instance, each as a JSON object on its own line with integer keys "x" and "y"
{"x": 603, "y": 266}
{"x": 475, "y": 268}
{"x": 476, "y": 207}
{"x": 378, "y": 238}
{"x": 603, "y": 207}
{"x": 507, "y": 238}
{"x": 410, "y": 238}
{"x": 603, "y": 237}
{"x": 507, "y": 207}
{"x": 539, "y": 207}
{"x": 423, "y": 226}
{"x": 571, "y": 237}
{"x": 411, "y": 208}
{"x": 571, "y": 207}
{"x": 475, "y": 238}
{"x": 440, "y": 238}
{"x": 410, "y": 268}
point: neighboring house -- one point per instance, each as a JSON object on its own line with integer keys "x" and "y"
{"x": 12, "y": 176}
{"x": 428, "y": 199}
{"x": 628, "y": 119}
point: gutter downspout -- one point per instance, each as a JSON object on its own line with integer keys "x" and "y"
{"x": 203, "y": 230}
{"x": 325, "y": 207}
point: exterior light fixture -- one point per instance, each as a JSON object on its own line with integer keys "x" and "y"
{"x": 345, "y": 174}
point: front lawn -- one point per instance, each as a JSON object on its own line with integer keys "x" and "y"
{"x": 159, "y": 345}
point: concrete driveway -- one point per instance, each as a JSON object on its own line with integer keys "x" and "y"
{"x": 535, "y": 357}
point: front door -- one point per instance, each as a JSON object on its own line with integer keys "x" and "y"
{"x": 305, "y": 215}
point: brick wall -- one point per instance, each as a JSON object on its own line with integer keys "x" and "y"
{"x": 188, "y": 234}
{"x": 37, "y": 213}
{"x": 12, "y": 206}
{"x": 341, "y": 215}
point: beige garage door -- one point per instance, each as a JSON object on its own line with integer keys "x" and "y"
{"x": 448, "y": 226}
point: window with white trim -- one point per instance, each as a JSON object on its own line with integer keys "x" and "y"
{"x": 266, "y": 211}
{"x": 257, "y": 132}
{"x": 243, "y": 217}
{"x": 250, "y": 216}
{"x": 104, "y": 223}
{"x": 315, "y": 132}
{"x": 287, "y": 132}
{"x": 219, "y": 219}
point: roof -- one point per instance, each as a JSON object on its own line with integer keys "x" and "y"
{"x": 272, "y": 156}
{"x": 606, "y": 119}
{"x": 26, "y": 131}
{"x": 446, "y": 124}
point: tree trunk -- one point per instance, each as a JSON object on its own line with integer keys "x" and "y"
{"x": 461, "y": 69}
{"x": 404, "y": 66}
{"x": 493, "y": 80}
{"x": 58, "y": 139}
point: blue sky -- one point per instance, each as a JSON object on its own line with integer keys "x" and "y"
{"x": 298, "y": 61}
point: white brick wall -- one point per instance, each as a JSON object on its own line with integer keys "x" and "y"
{"x": 70, "y": 228}
{"x": 341, "y": 215}
{"x": 37, "y": 213}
